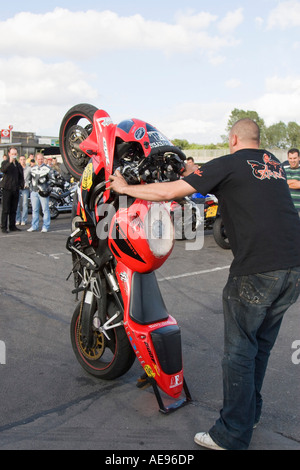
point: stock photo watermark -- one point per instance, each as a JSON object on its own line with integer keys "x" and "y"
{"x": 296, "y": 353}
{"x": 157, "y": 223}
{"x": 2, "y": 353}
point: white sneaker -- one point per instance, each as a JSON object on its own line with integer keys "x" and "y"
{"x": 17, "y": 223}
{"x": 22, "y": 223}
{"x": 31, "y": 230}
{"x": 44, "y": 230}
{"x": 203, "y": 439}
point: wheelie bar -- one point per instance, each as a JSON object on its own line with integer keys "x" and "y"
{"x": 145, "y": 381}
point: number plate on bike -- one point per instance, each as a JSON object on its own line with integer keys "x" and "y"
{"x": 212, "y": 211}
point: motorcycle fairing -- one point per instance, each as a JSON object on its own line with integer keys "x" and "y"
{"x": 109, "y": 142}
{"x": 128, "y": 237}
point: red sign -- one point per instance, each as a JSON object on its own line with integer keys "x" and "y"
{"x": 5, "y": 133}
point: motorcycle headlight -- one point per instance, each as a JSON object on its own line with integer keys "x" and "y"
{"x": 42, "y": 180}
{"x": 159, "y": 230}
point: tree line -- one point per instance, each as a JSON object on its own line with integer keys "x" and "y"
{"x": 279, "y": 135}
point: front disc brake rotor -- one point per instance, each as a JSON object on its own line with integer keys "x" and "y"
{"x": 96, "y": 351}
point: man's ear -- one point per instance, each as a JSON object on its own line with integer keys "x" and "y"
{"x": 232, "y": 142}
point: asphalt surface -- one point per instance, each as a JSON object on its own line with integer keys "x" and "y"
{"x": 48, "y": 402}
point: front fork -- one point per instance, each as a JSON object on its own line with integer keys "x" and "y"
{"x": 95, "y": 299}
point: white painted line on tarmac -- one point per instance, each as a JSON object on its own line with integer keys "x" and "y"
{"x": 195, "y": 273}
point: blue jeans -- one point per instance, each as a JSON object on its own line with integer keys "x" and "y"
{"x": 36, "y": 201}
{"x": 22, "y": 211}
{"x": 254, "y": 306}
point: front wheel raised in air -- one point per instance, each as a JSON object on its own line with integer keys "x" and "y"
{"x": 76, "y": 126}
{"x": 105, "y": 358}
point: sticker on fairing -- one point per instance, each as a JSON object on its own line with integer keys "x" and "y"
{"x": 87, "y": 177}
{"x": 139, "y": 133}
{"x": 157, "y": 139}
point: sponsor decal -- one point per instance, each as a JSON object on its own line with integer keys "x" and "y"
{"x": 149, "y": 371}
{"x": 87, "y": 177}
{"x": 104, "y": 122}
{"x": 176, "y": 380}
{"x": 139, "y": 133}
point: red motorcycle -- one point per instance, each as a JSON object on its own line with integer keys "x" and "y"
{"x": 117, "y": 243}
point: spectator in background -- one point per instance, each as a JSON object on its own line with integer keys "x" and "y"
{"x": 12, "y": 182}
{"x": 40, "y": 176}
{"x": 293, "y": 176}
{"x": 22, "y": 210}
{"x": 55, "y": 164}
{"x": 49, "y": 161}
{"x": 31, "y": 157}
{"x": 190, "y": 166}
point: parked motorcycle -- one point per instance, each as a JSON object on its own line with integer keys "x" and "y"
{"x": 220, "y": 234}
{"x": 186, "y": 217}
{"x": 212, "y": 218}
{"x": 117, "y": 243}
{"x": 61, "y": 200}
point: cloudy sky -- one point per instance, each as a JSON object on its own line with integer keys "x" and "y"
{"x": 182, "y": 66}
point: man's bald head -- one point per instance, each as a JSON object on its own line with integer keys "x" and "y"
{"x": 244, "y": 133}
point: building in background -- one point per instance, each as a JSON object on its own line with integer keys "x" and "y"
{"x": 27, "y": 143}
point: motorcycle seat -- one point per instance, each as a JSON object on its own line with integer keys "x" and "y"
{"x": 146, "y": 305}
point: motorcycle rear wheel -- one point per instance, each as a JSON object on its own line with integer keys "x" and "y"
{"x": 76, "y": 126}
{"x": 220, "y": 235}
{"x": 106, "y": 359}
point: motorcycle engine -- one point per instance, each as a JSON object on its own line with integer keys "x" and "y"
{"x": 151, "y": 169}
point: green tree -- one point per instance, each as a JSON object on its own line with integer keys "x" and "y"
{"x": 293, "y": 134}
{"x": 238, "y": 114}
{"x": 277, "y": 135}
{"x": 182, "y": 143}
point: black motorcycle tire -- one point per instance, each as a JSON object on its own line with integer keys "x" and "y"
{"x": 52, "y": 207}
{"x": 91, "y": 359}
{"x": 220, "y": 235}
{"x": 71, "y": 135}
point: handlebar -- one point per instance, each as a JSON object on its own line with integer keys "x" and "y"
{"x": 168, "y": 148}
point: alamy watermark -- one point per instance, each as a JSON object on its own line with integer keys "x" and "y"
{"x": 2, "y": 353}
{"x": 153, "y": 223}
{"x": 296, "y": 353}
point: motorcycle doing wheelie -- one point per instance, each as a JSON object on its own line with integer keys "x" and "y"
{"x": 117, "y": 243}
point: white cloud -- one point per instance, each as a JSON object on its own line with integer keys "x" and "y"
{"x": 62, "y": 33}
{"x": 275, "y": 107}
{"x": 193, "y": 21}
{"x": 29, "y": 80}
{"x": 233, "y": 83}
{"x": 259, "y": 22}
{"x": 196, "y": 122}
{"x": 35, "y": 95}
{"x": 285, "y": 15}
{"x": 231, "y": 21}
{"x": 286, "y": 85}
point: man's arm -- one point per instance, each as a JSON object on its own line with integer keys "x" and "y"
{"x": 4, "y": 166}
{"x": 151, "y": 192}
{"x": 293, "y": 184}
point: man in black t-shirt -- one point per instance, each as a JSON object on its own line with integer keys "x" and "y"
{"x": 263, "y": 228}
